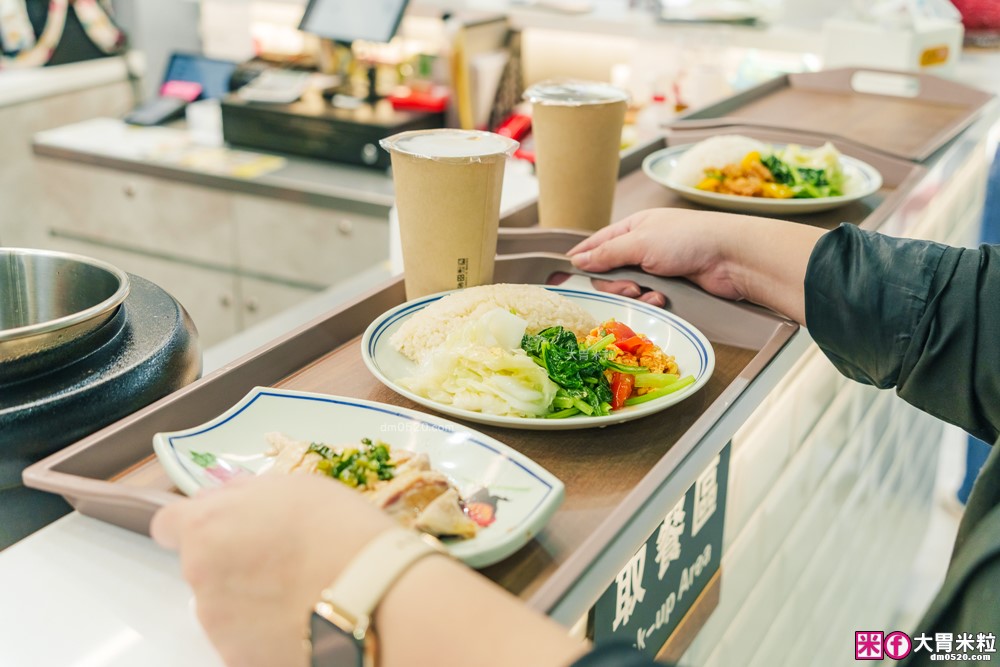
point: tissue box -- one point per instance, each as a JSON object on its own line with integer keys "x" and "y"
{"x": 932, "y": 45}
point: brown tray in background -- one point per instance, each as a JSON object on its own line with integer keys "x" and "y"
{"x": 911, "y": 116}
{"x": 609, "y": 473}
{"x": 636, "y": 191}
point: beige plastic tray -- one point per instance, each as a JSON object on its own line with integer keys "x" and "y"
{"x": 114, "y": 476}
{"x": 902, "y": 114}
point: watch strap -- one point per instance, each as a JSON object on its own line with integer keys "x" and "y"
{"x": 370, "y": 574}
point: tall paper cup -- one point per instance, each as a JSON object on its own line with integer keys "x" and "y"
{"x": 447, "y": 185}
{"x": 577, "y": 127}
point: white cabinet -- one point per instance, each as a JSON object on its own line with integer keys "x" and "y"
{"x": 287, "y": 251}
{"x": 262, "y": 299}
{"x": 232, "y": 260}
{"x": 175, "y": 235}
{"x": 175, "y": 221}
{"x": 23, "y": 193}
{"x": 304, "y": 244}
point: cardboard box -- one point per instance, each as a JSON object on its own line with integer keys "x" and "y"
{"x": 932, "y": 45}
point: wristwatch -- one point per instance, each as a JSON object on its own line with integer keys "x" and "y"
{"x": 341, "y": 625}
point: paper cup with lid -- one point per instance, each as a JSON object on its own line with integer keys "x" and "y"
{"x": 577, "y": 129}
{"x": 447, "y": 185}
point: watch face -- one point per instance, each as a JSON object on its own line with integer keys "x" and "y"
{"x": 333, "y": 647}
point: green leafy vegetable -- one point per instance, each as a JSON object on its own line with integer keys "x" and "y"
{"x": 562, "y": 414}
{"x": 810, "y": 174}
{"x": 782, "y": 172}
{"x": 579, "y": 372}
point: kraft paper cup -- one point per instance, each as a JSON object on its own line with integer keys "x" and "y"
{"x": 577, "y": 128}
{"x": 448, "y": 185}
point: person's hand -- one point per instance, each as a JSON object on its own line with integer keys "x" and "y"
{"x": 626, "y": 288}
{"x": 664, "y": 242}
{"x": 732, "y": 256}
{"x": 257, "y": 553}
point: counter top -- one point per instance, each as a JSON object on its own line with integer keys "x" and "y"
{"x": 173, "y": 153}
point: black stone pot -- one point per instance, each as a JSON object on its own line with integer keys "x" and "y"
{"x": 49, "y": 400}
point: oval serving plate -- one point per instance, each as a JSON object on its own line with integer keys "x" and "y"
{"x": 673, "y": 335}
{"x": 522, "y": 496}
{"x": 860, "y": 180}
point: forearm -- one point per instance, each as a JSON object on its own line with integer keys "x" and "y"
{"x": 259, "y": 552}
{"x": 442, "y": 613}
{"x": 915, "y": 315}
{"x": 766, "y": 261}
{"x": 732, "y": 256}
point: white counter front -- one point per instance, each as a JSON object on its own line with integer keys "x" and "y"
{"x": 83, "y": 593}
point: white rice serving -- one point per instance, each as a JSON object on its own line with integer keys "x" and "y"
{"x": 715, "y": 152}
{"x": 539, "y": 307}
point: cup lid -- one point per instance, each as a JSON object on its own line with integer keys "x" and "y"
{"x": 574, "y": 93}
{"x": 450, "y": 144}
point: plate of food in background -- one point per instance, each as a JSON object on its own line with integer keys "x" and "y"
{"x": 737, "y": 173}
{"x": 533, "y": 357}
{"x": 480, "y": 497}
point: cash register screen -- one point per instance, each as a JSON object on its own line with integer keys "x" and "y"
{"x": 348, "y": 20}
{"x": 212, "y": 74}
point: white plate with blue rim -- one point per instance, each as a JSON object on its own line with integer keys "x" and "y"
{"x": 675, "y": 336}
{"x": 510, "y": 496}
{"x": 860, "y": 180}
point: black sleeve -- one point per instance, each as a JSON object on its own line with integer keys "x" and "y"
{"x": 616, "y": 655}
{"x": 915, "y": 315}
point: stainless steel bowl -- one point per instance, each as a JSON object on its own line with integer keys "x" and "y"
{"x": 48, "y": 299}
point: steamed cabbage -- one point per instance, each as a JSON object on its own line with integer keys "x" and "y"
{"x": 481, "y": 367}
